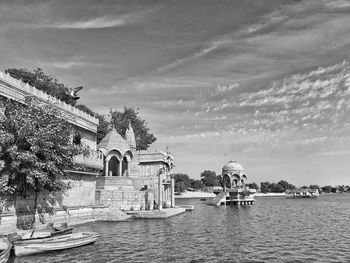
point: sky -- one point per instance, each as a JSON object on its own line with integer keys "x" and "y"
{"x": 265, "y": 83}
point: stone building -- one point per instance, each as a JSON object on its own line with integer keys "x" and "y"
{"x": 235, "y": 191}
{"x": 113, "y": 173}
{"x": 134, "y": 180}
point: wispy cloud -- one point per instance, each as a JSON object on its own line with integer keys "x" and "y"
{"x": 95, "y": 23}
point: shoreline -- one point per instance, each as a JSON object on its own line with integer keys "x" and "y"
{"x": 269, "y": 194}
{"x": 195, "y": 194}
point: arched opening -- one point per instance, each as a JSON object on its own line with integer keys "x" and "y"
{"x": 113, "y": 166}
{"x": 236, "y": 180}
{"x": 242, "y": 183}
{"x": 125, "y": 167}
{"x": 77, "y": 138}
{"x": 226, "y": 181}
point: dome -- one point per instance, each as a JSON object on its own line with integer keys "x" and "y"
{"x": 232, "y": 166}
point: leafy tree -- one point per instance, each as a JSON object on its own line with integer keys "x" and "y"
{"x": 85, "y": 109}
{"x": 197, "y": 184}
{"x": 209, "y": 178}
{"x": 220, "y": 180}
{"x": 253, "y": 186}
{"x": 276, "y": 188}
{"x": 265, "y": 187}
{"x": 180, "y": 187}
{"x": 120, "y": 120}
{"x": 286, "y": 185}
{"x": 35, "y": 149}
{"x": 102, "y": 128}
{"x": 182, "y": 178}
{"x": 46, "y": 83}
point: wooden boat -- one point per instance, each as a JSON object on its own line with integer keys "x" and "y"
{"x": 34, "y": 246}
{"x": 302, "y": 193}
{"x": 44, "y": 233}
{"x": 5, "y": 249}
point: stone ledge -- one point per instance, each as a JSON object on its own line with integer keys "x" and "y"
{"x": 154, "y": 214}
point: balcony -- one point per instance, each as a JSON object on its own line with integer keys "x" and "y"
{"x": 93, "y": 160}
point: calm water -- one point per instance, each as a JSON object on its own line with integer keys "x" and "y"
{"x": 273, "y": 230}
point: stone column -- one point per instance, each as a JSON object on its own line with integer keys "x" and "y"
{"x": 120, "y": 167}
{"x": 172, "y": 192}
{"x": 160, "y": 190}
{"x": 106, "y": 167}
{"x": 128, "y": 168}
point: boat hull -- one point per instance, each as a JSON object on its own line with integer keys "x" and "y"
{"x": 5, "y": 254}
{"x": 29, "y": 247}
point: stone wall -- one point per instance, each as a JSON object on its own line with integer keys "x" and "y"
{"x": 82, "y": 191}
{"x": 125, "y": 200}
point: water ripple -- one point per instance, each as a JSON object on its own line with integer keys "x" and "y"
{"x": 273, "y": 230}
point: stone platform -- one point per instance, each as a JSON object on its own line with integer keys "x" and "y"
{"x": 155, "y": 214}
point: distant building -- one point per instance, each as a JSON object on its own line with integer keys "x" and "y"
{"x": 235, "y": 191}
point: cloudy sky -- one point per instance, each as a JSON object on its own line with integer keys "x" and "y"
{"x": 266, "y": 83}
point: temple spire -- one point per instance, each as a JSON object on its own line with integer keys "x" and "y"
{"x": 130, "y": 137}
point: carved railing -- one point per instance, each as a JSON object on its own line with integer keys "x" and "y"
{"x": 22, "y": 90}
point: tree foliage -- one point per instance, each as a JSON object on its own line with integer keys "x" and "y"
{"x": 253, "y": 186}
{"x": 281, "y": 186}
{"x": 44, "y": 82}
{"x": 102, "y": 128}
{"x": 197, "y": 184}
{"x": 120, "y": 120}
{"x": 179, "y": 177}
{"x": 35, "y": 149}
{"x": 209, "y": 178}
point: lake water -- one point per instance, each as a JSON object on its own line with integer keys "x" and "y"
{"x": 273, "y": 230}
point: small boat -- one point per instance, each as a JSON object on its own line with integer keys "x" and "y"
{"x": 34, "y": 246}
{"x": 302, "y": 193}
{"x": 49, "y": 231}
{"x": 187, "y": 207}
{"x": 5, "y": 249}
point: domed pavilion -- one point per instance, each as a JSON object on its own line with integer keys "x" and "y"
{"x": 235, "y": 191}
{"x": 233, "y": 175}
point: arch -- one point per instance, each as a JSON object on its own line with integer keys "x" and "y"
{"x": 113, "y": 166}
{"x": 116, "y": 153}
{"x": 129, "y": 154}
{"x": 77, "y": 138}
{"x": 235, "y": 180}
{"x": 226, "y": 181}
{"x": 244, "y": 177}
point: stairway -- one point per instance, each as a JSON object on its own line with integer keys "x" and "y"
{"x": 217, "y": 200}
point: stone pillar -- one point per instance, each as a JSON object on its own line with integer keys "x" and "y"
{"x": 106, "y": 167}
{"x": 120, "y": 167}
{"x": 172, "y": 192}
{"x": 160, "y": 191}
{"x": 128, "y": 168}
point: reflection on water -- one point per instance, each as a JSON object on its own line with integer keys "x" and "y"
{"x": 273, "y": 230}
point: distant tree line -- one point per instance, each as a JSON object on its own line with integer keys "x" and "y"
{"x": 209, "y": 178}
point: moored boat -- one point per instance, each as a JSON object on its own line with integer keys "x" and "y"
{"x": 302, "y": 193}
{"x": 5, "y": 249}
{"x": 34, "y": 246}
{"x": 46, "y": 232}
